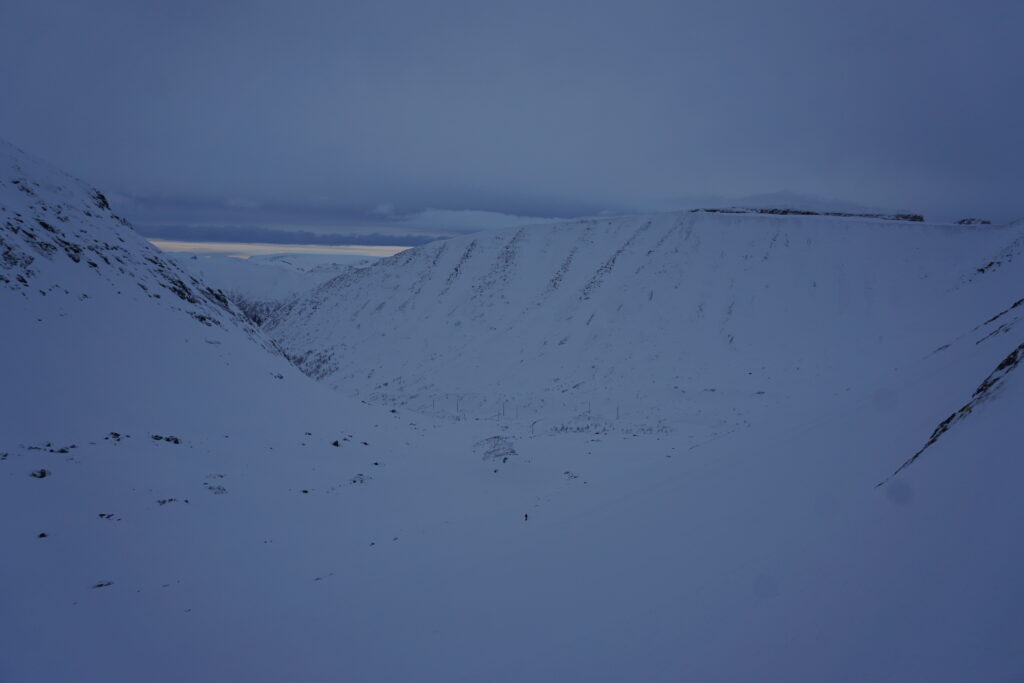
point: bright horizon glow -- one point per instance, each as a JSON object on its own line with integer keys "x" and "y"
{"x": 244, "y": 250}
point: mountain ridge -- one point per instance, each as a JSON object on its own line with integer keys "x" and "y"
{"x": 556, "y": 319}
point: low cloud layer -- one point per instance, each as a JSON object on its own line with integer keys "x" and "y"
{"x": 468, "y": 221}
{"x": 550, "y": 109}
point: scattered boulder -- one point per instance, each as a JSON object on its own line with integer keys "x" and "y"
{"x": 498, "y": 448}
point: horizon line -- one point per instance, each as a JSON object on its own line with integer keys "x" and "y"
{"x": 245, "y": 250}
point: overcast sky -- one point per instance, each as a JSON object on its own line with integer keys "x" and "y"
{"x": 368, "y": 113}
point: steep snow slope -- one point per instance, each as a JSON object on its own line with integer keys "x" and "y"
{"x": 697, "y": 322}
{"x": 54, "y": 226}
{"x": 99, "y": 326}
{"x": 250, "y": 547}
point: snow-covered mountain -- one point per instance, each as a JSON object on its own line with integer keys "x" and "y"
{"x": 178, "y": 503}
{"x": 695, "y": 322}
{"x": 54, "y": 226}
{"x": 99, "y": 323}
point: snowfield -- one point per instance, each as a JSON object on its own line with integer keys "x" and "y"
{"x": 701, "y": 447}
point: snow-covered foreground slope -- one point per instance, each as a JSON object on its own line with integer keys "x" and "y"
{"x": 698, "y": 323}
{"x": 251, "y": 547}
{"x": 766, "y": 555}
{"x": 261, "y": 284}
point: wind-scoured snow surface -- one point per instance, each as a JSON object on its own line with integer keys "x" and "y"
{"x": 178, "y": 503}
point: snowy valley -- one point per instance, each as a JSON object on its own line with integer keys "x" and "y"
{"x": 685, "y": 446}
{"x": 261, "y": 284}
